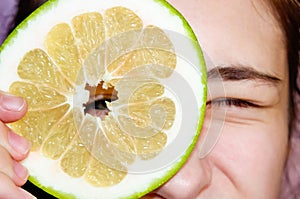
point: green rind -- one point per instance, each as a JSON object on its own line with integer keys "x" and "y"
{"x": 160, "y": 181}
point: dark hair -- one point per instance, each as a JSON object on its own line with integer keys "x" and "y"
{"x": 287, "y": 13}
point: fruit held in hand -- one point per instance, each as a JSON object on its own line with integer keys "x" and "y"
{"x": 116, "y": 93}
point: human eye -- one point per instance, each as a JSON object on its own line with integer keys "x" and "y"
{"x": 232, "y": 102}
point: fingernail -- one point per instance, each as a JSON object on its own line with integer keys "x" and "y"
{"x": 11, "y": 103}
{"x": 20, "y": 171}
{"x": 27, "y": 195}
{"x": 18, "y": 143}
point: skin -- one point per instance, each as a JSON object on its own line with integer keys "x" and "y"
{"x": 248, "y": 158}
{"x": 13, "y": 148}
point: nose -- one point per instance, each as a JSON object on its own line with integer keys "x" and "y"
{"x": 190, "y": 181}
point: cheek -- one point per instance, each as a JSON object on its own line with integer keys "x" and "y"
{"x": 251, "y": 156}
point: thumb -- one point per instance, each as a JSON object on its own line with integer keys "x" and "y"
{"x": 12, "y": 108}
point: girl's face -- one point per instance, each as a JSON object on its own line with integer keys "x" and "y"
{"x": 243, "y": 38}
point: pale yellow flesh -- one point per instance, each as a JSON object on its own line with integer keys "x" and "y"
{"x": 49, "y": 77}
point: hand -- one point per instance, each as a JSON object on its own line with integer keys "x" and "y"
{"x": 13, "y": 148}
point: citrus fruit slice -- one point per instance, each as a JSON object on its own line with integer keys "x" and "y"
{"x": 116, "y": 92}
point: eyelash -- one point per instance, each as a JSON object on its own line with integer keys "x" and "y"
{"x": 232, "y": 102}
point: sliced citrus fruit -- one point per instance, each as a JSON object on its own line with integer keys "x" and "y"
{"x": 116, "y": 93}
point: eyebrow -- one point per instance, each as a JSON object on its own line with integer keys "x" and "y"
{"x": 238, "y": 73}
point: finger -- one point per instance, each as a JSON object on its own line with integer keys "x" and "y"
{"x": 13, "y": 169}
{"x": 12, "y": 108}
{"x": 17, "y": 146}
{"x": 9, "y": 190}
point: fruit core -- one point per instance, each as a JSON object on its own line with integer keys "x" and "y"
{"x": 96, "y": 105}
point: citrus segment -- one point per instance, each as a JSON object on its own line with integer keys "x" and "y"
{"x": 88, "y": 131}
{"x": 140, "y": 103}
{"x": 116, "y": 136}
{"x": 61, "y": 47}
{"x": 134, "y": 130}
{"x": 118, "y": 46}
{"x": 59, "y": 138}
{"x": 89, "y": 32}
{"x": 37, "y": 67}
{"x": 38, "y": 96}
{"x": 36, "y": 124}
{"x": 119, "y": 20}
{"x": 164, "y": 59}
{"x": 100, "y": 175}
{"x": 164, "y": 106}
{"x": 94, "y": 67}
{"x": 148, "y": 147}
{"x": 109, "y": 154}
{"x": 76, "y": 159}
